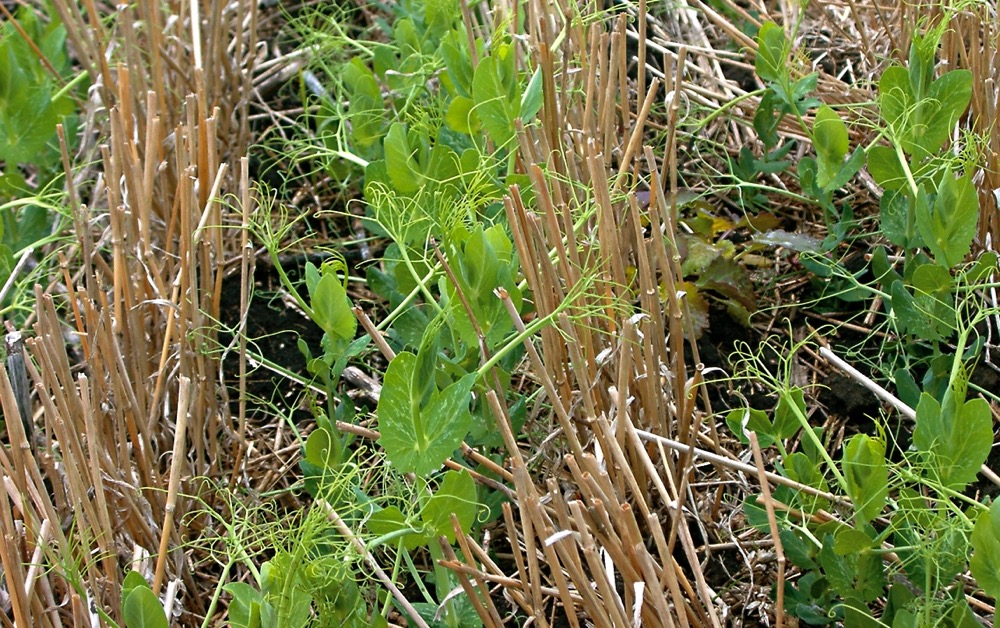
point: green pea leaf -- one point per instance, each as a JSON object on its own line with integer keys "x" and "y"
{"x": 867, "y": 476}
{"x": 461, "y": 116}
{"x": 323, "y": 449}
{"x": 894, "y": 210}
{"x": 248, "y": 608}
{"x": 934, "y": 119}
{"x": 949, "y": 226}
{"x": 911, "y": 317}
{"x": 755, "y": 421}
{"x": 494, "y": 103}
{"x": 791, "y": 404}
{"x": 531, "y": 101}
{"x": 399, "y": 160}
{"x": 439, "y": 16}
{"x": 798, "y": 550}
{"x": 419, "y": 437}
{"x": 457, "y": 494}
{"x": 389, "y": 524}
{"x": 802, "y": 469}
{"x": 955, "y": 444}
{"x": 142, "y": 609}
{"x": 885, "y": 168}
{"x": 851, "y": 541}
{"x": 831, "y": 143}
{"x": 332, "y": 308}
{"x": 772, "y": 53}
{"x": 985, "y": 562}
{"x": 895, "y": 100}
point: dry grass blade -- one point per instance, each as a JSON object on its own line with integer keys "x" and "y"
{"x": 599, "y": 550}
{"x": 152, "y": 233}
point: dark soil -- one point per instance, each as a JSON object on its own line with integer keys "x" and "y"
{"x": 274, "y": 327}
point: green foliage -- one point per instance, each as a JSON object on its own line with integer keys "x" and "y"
{"x": 140, "y": 606}
{"x": 434, "y": 137}
{"x": 31, "y": 99}
{"x": 786, "y": 95}
{"x": 911, "y": 503}
{"x": 955, "y": 440}
{"x": 36, "y": 93}
{"x": 867, "y": 476}
{"x": 985, "y": 563}
{"x": 421, "y": 425}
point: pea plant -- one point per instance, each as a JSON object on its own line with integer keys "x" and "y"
{"x": 881, "y": 531}
{"x": 37, "y": 93}
{"x": 434, "y": 135}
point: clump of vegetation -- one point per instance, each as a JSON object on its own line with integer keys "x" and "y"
{"x": 493, "y": 324}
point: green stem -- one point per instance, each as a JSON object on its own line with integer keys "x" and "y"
{"x": 421, "y": 282}
{"x": 223, "y": 577}
{"x": 811, "y": 435}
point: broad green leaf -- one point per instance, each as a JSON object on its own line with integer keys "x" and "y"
{"x": 142, "y": 609}
{"x": 132, "y": 580}
{"x": 955, "y": 444}
{"x": 982, "y": 269}
{"x": 961, "y": 615}
{"x": 935, "y": 117}
{"x": 985, "y": 562}
{"x": 811, "y": 451}
{"x": 910, "y": 317}
{"x": 867, "y": 476}
{"x": 921, "y": 61}
{"x": 885, "y": 168}
{"x": 244, "y": 606}
{"x": 906, "y": 387}
{"x": 322, "y": 449}
{"x": 418, "y": 438}
{"x": 407, "y": 38}
{"x": 455, "y": 52}
{"x": 496, "y": 111}
{"x": 443, "y": 169}
{"x": 930, "y": 430}
{"x": 456, "y": 495}
{"x": 439, "y": 16}
{"x": 932, "y": 279}
{"x": 772, "y": 53}
{"x": 850, "y": 540}
{"x": 531, "y": 100}
{"x": 28, "y": 123}
{"x": 885, "y": 272}
{"x": 399, "y": 160}
{"x": 860, "y": 574}
{"x": 312, "y": 278}
{"x": 894, "y": 218}
{"x": 898, "y": 599}
{"x": 332, "y": 308}
{"x": 932, "y": 285}
{"x": 755, "y": 421}
{"x": 390, "y": 525}
{"x": 950, "y": 226}
{"x": 366, "y": 111}
{"x": 895, "y": 100}
{"x": 831, "y": 142}
{"x": 423, "y": 380}
{"x": 799, "y": 551}
{"x": 857, "y": 614}
{"x": 847, "y": 170}
{"x": 791, "y": 404}
{"x": 461, "y": 116}
{"x": 802, "y": 469}
{"x": 767, "y": 118}
{"x": 970, "y": 442}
